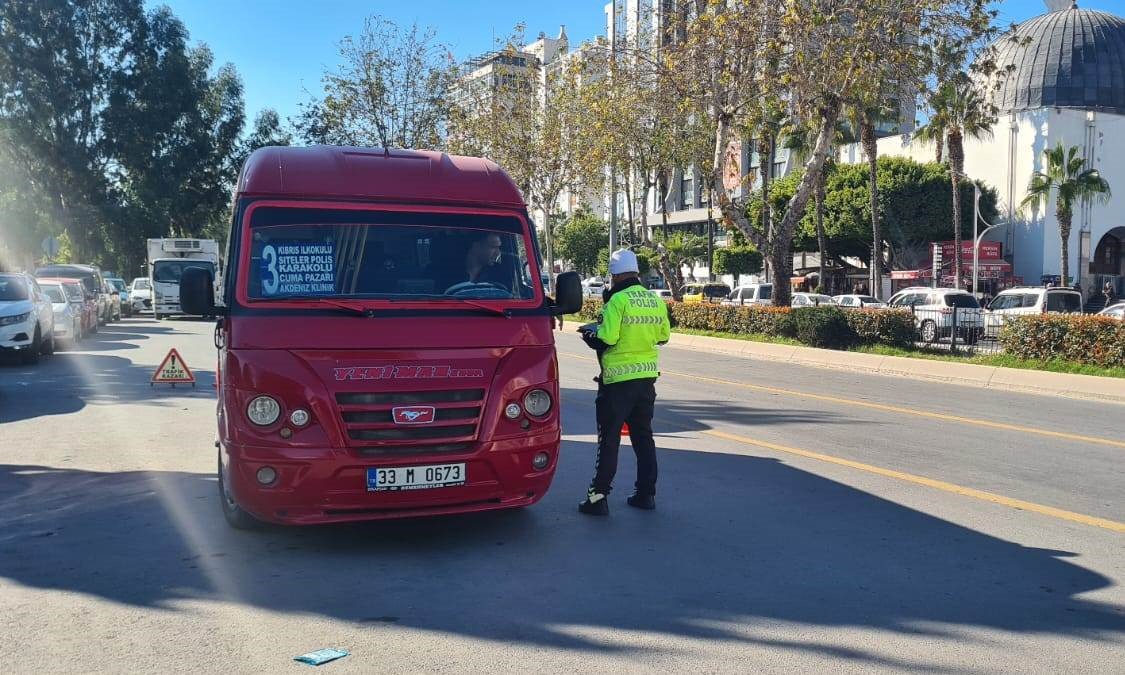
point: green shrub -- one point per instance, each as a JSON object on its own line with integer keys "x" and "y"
{"x": 890, "y": 327}
{"x": 841, "y": 328}
{"x": 825, "y": 327}
{"x": 1092, "y": 340}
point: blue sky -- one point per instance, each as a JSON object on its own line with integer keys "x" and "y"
{"x": 281, "y": 47}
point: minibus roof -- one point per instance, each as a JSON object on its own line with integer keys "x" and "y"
{"x": 337, "y": 172}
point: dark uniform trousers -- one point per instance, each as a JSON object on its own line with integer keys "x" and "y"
{"x": 632, "y": 402}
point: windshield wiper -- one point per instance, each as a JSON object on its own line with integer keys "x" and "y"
{"x": 506, "y": 313}
{"x": 349, "y": 309}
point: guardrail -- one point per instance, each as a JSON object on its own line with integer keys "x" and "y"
{"x": 958, "y": 329}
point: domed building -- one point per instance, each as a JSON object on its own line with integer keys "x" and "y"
{"x": 1065, "y": 81}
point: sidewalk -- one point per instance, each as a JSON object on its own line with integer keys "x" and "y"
{"x": 1107, "y": 389}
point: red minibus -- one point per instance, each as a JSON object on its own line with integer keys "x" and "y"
{"x": 385, "y": 344}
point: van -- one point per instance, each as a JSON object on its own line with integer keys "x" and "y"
{"x": 1030, "y": 300}
{"x": 385, "y": 344}
{"x": 711, "y": 293}
{"x": 752, "y": 294}
{"x": 93, "y": 281}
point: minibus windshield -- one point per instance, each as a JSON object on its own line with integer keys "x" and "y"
{"x": 431, "y": 258}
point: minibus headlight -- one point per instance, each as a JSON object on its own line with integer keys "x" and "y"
{"x": 263, "y": 411}
{"x": 299, "y": 417}
{"x": 537, "y": 403}
{"x": 512, "y": 411}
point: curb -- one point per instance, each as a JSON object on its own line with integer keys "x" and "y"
{"x": 1086, "y": 387}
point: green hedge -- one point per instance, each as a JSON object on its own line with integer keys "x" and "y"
{"x": 817, "y": 326}
{"x": 1092, "y": 340}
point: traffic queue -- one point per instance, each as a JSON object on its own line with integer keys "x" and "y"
{"x": 58, "y": 306}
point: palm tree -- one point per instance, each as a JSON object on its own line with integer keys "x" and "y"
{"x": 866, "y": 120}
{"x": 933, "y": 132}
{"x": 961, "y": 110}
{"x": 1065, "y": 172}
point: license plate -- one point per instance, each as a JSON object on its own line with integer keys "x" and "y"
{"x": 415, "y": 477}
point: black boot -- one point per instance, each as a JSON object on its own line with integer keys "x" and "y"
{"x": 596, "y": 504}
{"x": 640, "y": 501}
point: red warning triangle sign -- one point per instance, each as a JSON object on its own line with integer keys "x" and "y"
{"x": 173, "y": 369}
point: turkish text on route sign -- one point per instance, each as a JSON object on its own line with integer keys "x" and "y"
{"x": 173, "y": 369}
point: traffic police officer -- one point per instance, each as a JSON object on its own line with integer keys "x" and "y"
{"x": 634, "y": 322}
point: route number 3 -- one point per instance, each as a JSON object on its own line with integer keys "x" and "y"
{"x": 269, "y": 259}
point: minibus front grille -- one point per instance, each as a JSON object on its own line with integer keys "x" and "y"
{"x": 369, "y": 419}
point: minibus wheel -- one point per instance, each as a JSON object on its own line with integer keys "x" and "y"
{"x": 236, "y": 517}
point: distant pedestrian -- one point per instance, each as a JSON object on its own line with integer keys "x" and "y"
{"x": 1110, "y": 294}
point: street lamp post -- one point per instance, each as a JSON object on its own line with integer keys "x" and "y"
{"x": 977, "y": 219}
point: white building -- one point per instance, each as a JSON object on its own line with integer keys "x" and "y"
{"x": 1067, "y": 83}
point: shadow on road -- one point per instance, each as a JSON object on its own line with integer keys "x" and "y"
{"x": 737, "y": 540}
{"x": 67, "y": 382}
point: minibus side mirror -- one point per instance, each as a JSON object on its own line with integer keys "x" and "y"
{"x": 197, "y": 291}
{"x": 568, "y": 293}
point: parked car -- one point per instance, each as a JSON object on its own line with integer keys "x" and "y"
{"x": 1114, "y": 311}
{"x": 937, "y": 310}
{"x": 140, "y": 295}
{"x": 1030, "y": 300}
{"x": 113, "y": 299}
{"x": 752, "y": 294}
{"x": 810, "y": 300}
{"x": 27, "y": 319}
{"x": 84, "y": 305}
{"x": 859, "y": 302}
{"x": 91, "y": 278}
{"x": 68, "y": 315}
{"x": 713, "y": 293}
{"x": 593, "y": 287}
{"x": 664, "y": 294}
{"x": 125, "y": 307}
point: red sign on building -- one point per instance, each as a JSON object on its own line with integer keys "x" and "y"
{"x": 989, "y": 250}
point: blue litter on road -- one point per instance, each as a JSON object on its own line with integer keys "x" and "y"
{"x": 321, "y": 656}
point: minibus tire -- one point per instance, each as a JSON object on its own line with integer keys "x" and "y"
{"x": 235, "y": 516}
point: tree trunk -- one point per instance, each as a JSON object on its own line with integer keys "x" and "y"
{"x": 767, "y": 220}
{"x": 1064, "y": 216}
{"x": 871, "y": 149}
{"x": 822, "y": 248}
{"x": 664, "y": 186}
{"x": 939, "y": 153}
{"x": 734, "y": 217}
{"x": 549, "y": 248}
{"x": 629, "y": 208}
{"x": 956, "y": 169}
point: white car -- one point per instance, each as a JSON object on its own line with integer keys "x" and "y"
{"x": 936, "y": 310}
{"x": 68, "y": 314}
{"x": 1114, "y": 311}
{"x": 27, "y": 320}
{"x": 752, "y": 294}
{"x": 663, "y": 293}
{"x": 859, "y": 302}
{"x": 1030, "y": 300}
{"x": 811, "y": 300}
{"x": 592, "y": 288}
{"x": 140, "y": 295}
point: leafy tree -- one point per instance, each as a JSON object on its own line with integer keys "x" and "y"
{"x": 1066, "y": 174}
{"x": 391, "y": 90}
{"x": 738, "y": 260}
{"x": 913, "y": 208}
{"x": 111, "y": 128}
{"x": 581, "y": 240}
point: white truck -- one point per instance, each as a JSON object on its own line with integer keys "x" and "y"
{"x": 167, "y": 260}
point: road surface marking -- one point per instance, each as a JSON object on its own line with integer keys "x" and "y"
{"x": 944, "y": 417}
{"x": 1051, "y": 511}
{"x": 953, "y": 488}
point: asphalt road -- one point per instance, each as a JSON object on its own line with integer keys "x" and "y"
{"x": 809, "y": 520}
